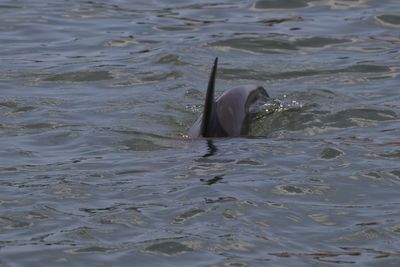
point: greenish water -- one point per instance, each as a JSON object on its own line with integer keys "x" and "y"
{"x": 97, "y": 96}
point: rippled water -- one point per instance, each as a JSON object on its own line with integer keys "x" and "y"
{"x": 95, "y": 100}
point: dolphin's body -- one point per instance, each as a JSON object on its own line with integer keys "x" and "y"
{"x": 229, "y": 115}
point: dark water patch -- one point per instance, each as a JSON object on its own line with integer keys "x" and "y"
{"x": 373, "y": 175}
{"x": 214, "y": 180}
{"x": 340, "y": 256}
{"x": 200, "y": 6}
{"x": 365, "y": 114}
{"x": 367, "y": 224}
{"x": 131, "y": 171}
{"x": 137, "y": 133}
{"x": 394, "y": 228}
{"x": 82, "y": 233}
{"x": 391, "y": 155}
{"x": 81, "y": 76}
{"x": 9, "y": 7}
{"x": 362, "y": 68}
{"x": 280, "y": 4}
{"x": 9, "y": 223}
{"x": 396, "y": 173}
{"x": 176, "y": 28}
{"x": 261, "y": 75}
{"x": 170, "y": 58}
{"x": 220, "y": 200}
{"x": 290, "y": 190}
{"x": 363, "y": 235}
{"x": 240, "y": 74}
{"x": 25, "y": 109}
{"x": 315, "y": 121}
{"x": 295, "y": 74}
{"x": 330, "y": 153}
{"x": 159, "y": 76}
{"x": 16, "y": 106}
{"x": 389, "y": 20}
{"x": 233, "y": 245}
{"x": 11, "y": 105}
{"x": 252, "y": 44}
{"x": 249, "y": 161}
{"x": 139, "y": 144}
{"x": 289, "y": 120}
{"x": 319, "y": 41}
{"x": 379, "y": 78}
{"x": 169, "y": 248}
{"x": 191, "y": 21}
{"x": 366, "y": 68}
{"x": 272, "y": 22}
{"x": 99, "y": 210}
{"x": 123, "y": 42}
{"x": 188, "y": 215}
{"x": 41, "y": 125}
{"x": 231, "y": 214}
{"x": 91, "y": 250}
{"x": 386, "y": 37}
{"x": 251, "y": 74}
{"x": 36, "y": 216}
{"x": 293, "y": 190}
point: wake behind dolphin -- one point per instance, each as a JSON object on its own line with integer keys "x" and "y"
{"x": 231, "y": 113}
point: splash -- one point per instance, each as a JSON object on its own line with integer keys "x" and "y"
{"x": 277, "y": 105}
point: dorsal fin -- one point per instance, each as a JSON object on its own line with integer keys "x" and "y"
{"x": 209, "y": 104}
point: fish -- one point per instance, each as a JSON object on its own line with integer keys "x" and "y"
{"x": 231, "y": 114}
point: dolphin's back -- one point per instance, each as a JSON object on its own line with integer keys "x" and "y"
{"x": 228, "y": 116}
{"x": 231, "y": 112}
{"x": 233, "y": 106}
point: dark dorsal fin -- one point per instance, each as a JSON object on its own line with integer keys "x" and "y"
{"x": 209, "y": 104}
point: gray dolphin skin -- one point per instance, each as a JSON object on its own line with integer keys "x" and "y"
{"x": 230, "y": 114}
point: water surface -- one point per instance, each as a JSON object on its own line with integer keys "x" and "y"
{"x": 95, "y": 100}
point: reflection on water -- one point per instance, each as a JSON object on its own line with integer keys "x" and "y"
{"x": 270, "y": 4}
{"x": 95, "y": 97}
{"x": 212, "y": 149}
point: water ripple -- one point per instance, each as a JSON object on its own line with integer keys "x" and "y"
{"x": 96, "y": 97}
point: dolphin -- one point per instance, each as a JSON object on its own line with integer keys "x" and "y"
{"x": 230, "y": 114}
